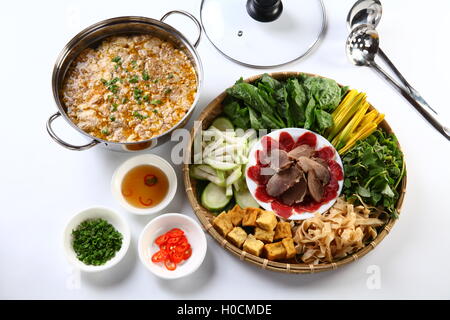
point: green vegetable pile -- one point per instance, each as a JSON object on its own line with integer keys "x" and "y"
{"x": 95, "y": 241}
{"x": 373, "y": 170}
{"x": 304, "y": 101}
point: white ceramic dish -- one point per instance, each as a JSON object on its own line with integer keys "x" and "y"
{"x": 295, "y": 133}
{"x": 91, "y": 213}
{"x": 144, "y": 159}
{"x": 161, "y": 225}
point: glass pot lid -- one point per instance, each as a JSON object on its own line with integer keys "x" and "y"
{"x": 264, "y": 33}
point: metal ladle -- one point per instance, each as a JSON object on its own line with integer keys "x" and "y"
{"x": 362, "y": 46}
{"x": 369, "y": 12}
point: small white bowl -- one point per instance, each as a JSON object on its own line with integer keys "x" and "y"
{"x": 159, "y": 226}
{"x": 92, "y": 213}
{"x": 144, "y": 159}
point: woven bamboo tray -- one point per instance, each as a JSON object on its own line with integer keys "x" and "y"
{"x": 212, "y": 111}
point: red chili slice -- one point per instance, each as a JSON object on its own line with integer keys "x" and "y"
{"x": 175, "y": 232}
{"x": 173, "y": 240}
{"x": 159, "y": 256}
{"x": 187, "y": 254}
{"x": 147, "y": 204}
{"x": 182, "y": 247}
{"x": 177, "y": 257}
{"x": 170, "y": 265}
{"x": 162, "y": 239}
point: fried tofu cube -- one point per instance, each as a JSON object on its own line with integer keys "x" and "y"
{"x": 266, "y": 220}
{"x": 275, "y": 251}
{"x": 253, "y": 245}
{"x": 223, "y": 224}
{"x": 236, "y": 215}
{"x": 264, "y": 235}
{"x": 288, "y": 244}
{"x": 250, "y": 216}
{"x": 237, "y": 236}
{"x": 282, "y": 230}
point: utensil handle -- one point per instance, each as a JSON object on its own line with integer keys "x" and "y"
{"x": 430, "y": 117}
{"x": 190, "y": 16}
{"x": 416, "y": 95}
{"x": 63, "y": 143}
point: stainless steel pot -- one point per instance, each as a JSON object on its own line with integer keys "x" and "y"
{"x": 117, "y": 26}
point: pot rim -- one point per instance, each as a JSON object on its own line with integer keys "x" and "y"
{"x": 63, "y": 56}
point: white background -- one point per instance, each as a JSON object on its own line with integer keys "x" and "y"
{"x": 42, "y": 184}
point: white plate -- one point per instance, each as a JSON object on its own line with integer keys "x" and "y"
{"x": 144, "y": 159}
{"x": 159, "y": 226}
{"x": 93, "y": 213}
{"x": 295, "y": 133}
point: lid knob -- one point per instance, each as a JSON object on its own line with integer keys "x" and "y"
{"x": 264, "y": 10}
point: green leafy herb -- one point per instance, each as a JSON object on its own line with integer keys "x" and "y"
{"x": 133, "y": 79}
{"x": 238, "y": 115}
{"x": 304, "y": 101}
{"x": 139, "y": 116}
{"x": 155, "y": 111}
{"x": 156, "y": 101}
{"x": 116, "y": 59}
{"x": 95, "y": 241}
{"x": 137, "y": 93}
{"x": 145, "y": 76}
{"x": 170, "y": 76}
{"x": 105, "y": 131}
{"x": 373, "y": 170}
{"x": 167, "y": 91}
{"x": 112, "y": 118}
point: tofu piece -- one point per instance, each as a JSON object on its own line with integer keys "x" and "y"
{"x": 236, "y": 215}
{"x": 251, "y": 214}
{"x": 264, "y": 235}
{"x": 223, "y": 224}
{"x": 237, "y": 236}
{"x": 282, "y": 230}
{"x": 253, "y": 245}
{"x": 288, "y": 244}
{"x": 266, "y": 220}
{"x": 275, "y": 251}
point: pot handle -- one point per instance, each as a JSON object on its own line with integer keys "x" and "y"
{"x": 61, "y": 142}
{"x": 190, "y": 16}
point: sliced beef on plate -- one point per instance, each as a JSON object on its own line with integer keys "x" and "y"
{"x": 296, "y": 193}
{"x": 283, "y": 180}
{"x": 320, "y": 161}
{"x": 308, "y": 165}
{"x": 301, "y": 151}
{"x": 277, "y": 159}
{"x": 315, "y": 187}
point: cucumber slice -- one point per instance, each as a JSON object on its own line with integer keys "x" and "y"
{"x": 233, "y": 177}
{"x": 223, "y": 124}
{"x": 220, "y": 165}
{"x": 229, "y": 191}
{"x": 199, "y": 174}
{"x": 214, "y": 197}
{"x": 245, "y": 200}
